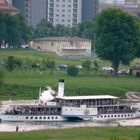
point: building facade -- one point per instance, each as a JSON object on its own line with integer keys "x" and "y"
{"x": 33, "y": 10}
{"x": 130, "y": 6}
{"x": 89, "y": 9}
{"x": 73, "y": 47}
{"x": 64, "y": 12}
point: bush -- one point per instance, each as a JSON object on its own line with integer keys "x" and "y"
{"x": 138, "y": 74}
{"x": 72, "y": 70}
{"x": 1, "y": 77}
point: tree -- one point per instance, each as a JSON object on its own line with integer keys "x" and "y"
{"x": 96, "y": 66}
{"x": 51, "y": 65}
{"x": 2, "y": 28}
{"x": 61, "y": 30}
{"x": 24, "y": 30}
{"x": 117, "y": 37}
{"x": 44, "y": 29}
{"x": 72, "y": 70}
{"x": 87, "y": 65}
{"x": 1, "y": 77}
{"x": 86, "y": 29}
{"x": 13, "y": 37}
{"x": 10, "y": 63}
{"x": 13, "y": 30}
{"x": 18, "y": 63}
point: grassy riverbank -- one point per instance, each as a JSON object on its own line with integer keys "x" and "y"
{"x": 25, "y": 85}
{"x": 93, "y": 133}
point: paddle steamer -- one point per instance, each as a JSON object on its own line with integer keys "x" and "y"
{"x": 61, "y": 108}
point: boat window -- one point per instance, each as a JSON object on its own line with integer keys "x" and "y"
{"x": 26, "y": 117}
{"x": 105, "y": 116}
{"x": 31, "y": 118}
{"x": 108, "y": 116}
{"x": 48, "y": 117}
{"x": 128, "y": 115}
{"x": 115, "y": 115}
{"x": 55, "y": 117}
{"x": 121, "y": 115}
{"x": 36, "y": 118}
{"x": 40, "y": 117}
{"x": 131, "y": 115}
{"x": 118, "y": 115}
{"x": 112, "y": 116}
{"x": 44, "y": 118}
{"x": 125, "y": 115}
{"x": 52, "y": 117}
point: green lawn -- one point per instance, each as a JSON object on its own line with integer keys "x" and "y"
{"x": 93, "y": 133}
{"x": 25, "y": 85}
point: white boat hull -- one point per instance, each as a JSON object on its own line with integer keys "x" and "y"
{"x": 116, "y": 116}
{"x": 35, "y": 118}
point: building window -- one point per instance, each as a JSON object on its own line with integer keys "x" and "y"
{"x": 75, "y": 1}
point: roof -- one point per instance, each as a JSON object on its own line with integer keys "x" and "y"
{"x": 6, "y": 7}
{"x": 2, "y": 1}
{"x": 88, "y": 97}
{"x": 61, "y": 39}
{"x": 135, "y": 68}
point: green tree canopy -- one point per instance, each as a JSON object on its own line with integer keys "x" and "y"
{"x": 2, "y": 28}
{"x": 72, "y": 70}
{"x": 13, "y": 30}
{"x": 117, "y": 37}
{"x": 43, "y": 29}
{"x": 86, "y": 29}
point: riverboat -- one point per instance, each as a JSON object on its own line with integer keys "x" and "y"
{"x": 60, "y": 108}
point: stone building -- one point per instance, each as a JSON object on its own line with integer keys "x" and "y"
{"x": 73, "y": 47}
{"x": 135, "y": 70}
